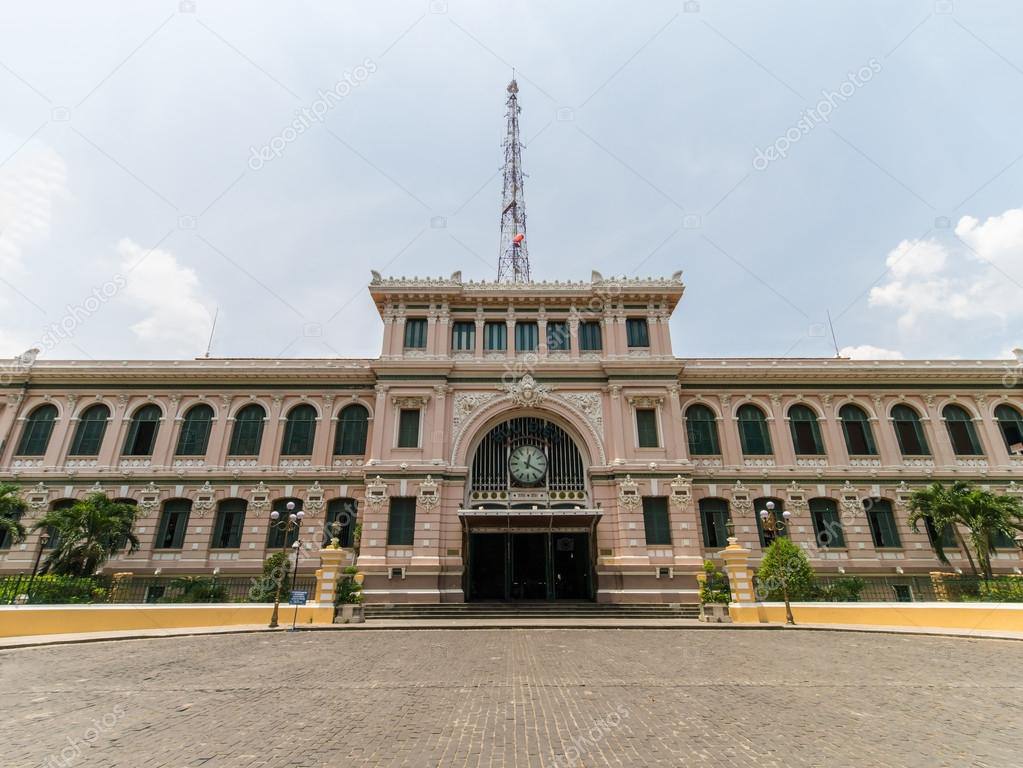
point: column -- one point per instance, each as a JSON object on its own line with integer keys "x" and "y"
{"x": 937, "y": 435}
{"x": 321, "y": 440}
{"x": 728, "y": 434}
{"x": 834, "y": 439}
{"x": 113, "y": 438}
{"x": 271, "y": 447}
{"x": 478, "y": 347}
{"x": 219, "y": 431}
{"x": 541, "y": 325}
{"x": 675, "y": 441}
{"x": 740, "y": 580}
{"x": 377, "y": 446}
{"x": 510, "y": 339}
{"x": 781, "y": 436}
{"x": 884, "y": 434}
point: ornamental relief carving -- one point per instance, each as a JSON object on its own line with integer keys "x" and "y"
{"x": 527, "y": 392}
{"x": 589, "y": 404}
{"x": 681, "y": 492}
{"x": 628, "y": 493}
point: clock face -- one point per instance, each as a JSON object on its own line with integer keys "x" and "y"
{"x": 527, "y": 464}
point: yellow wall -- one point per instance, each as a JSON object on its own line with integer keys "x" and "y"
{"x": 983, "y": 616}
{"x": 16, "y": 621}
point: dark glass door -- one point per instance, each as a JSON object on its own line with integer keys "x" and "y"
{"x": 488, "y": 557}
{"x": 571, "y": 566}
{"x": 529, "y": 566}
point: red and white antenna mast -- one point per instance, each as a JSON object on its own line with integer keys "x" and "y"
{"x": 513, "y": 263}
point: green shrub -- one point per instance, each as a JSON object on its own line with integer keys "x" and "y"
{"x": 197, "y": 589}
{"x": 1007, "y": 590}
{"x": 844, "y": 590}
{"x": 715, "y": 588}
{"x": 785, "y": 564}
{"x": 56, "y": 590}
{"x": 349, "y": 591}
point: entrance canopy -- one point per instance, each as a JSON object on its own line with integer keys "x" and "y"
{"x": 481, "y": 519}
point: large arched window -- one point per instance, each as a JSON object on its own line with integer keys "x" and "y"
{"x": 248, "y": 431}
{"x": 806, "y": 432}
{"x": 195, "y": 431}
{"x": 859, "y": 437}
{"x": 1010, "y": 421}
{"x": 702, "y": 430}
{"x": 92, "y": 425}
{"x": 961, "y": 431}
{"x": 299, "y": 431}
{"x": 142, "y": 431}
{"x": 753, "y": 435}
{"x": 343, "y": 513}
{"x": 909, "y": 431}
{"x": 35, "y": 436}
{"x": 352, "y": 427}
{"x": 714, "y": 521}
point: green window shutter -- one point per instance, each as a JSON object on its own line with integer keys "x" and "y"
{"x": 589, "y": 336}
{"x": 495, "y": 337}
{"x": 230, "y": 524}
{"x": 142, "y": 431}
{"x": 35, "y": 436}
{"x": 882, "y": 525}
{"x": 352, "y": 431}
{"x": 90, "y": 430}
{"x": 806, "y": 433}
{"x": 401, "y": 522}
{"x": 859, "y": 437}
{"x": 527, "y": 337}
{"x": 909, "y": 431}
{"x": 408, "y": 428}
{"x": 636, "y": 332}
{"x": 646, "y": 427}
{"x": 714, "y": 521}
{"x": 300, "y": 431}
{"x": 655, "y": 520}
{"x": 415, "y": 333}
{"x": 343, "y": 511}
{"x": 195, "y": 431}
{"x": 558, "y": 336}
{"x": 827, "y": 526}
{"x": 753, "y": 434}
{"x": 702, "y": 431}
{"x": 1011, "y": 423}
{"x": 173, "y": 524}
{"x": 247, "y": 434}
{"x": 463, "y": 336}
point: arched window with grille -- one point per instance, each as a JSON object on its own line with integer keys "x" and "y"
{"x": 859, "y": 437}
{"x": 195, "y": 431}
{"x": 753, "y": 434}
{"x": 142, "y": 431}
{"x": 702, "y": 431}
{"x": 247, "y": 433}
{"x": 909, "y": 431}
{"x": 352, "y": 429}
{"x": 961, "y": 431}
{"x": 92, "y": 425}
{"x": 1010, "y": 422}
{"x": 299, "y": 431}
{"x": 35, "y": 435}
{"x": 806, "y": 432}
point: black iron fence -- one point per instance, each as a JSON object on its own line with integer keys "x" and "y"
{"x": 902, "y": 589}
{"x": 63, "y": 590}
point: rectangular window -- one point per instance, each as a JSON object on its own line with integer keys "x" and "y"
{"x": 714, "y": 520}
{"x": 646, "y": 427}
{"x": 527, "y": 337}
{"x": 408, "y": 428}
{"x": 947, "y": 538}
{"x": 655, "y": 520}
{"x": 882, "y": 525}
{"x": 495, "y": 337}
{"x": 827, "y": 525}
{"x": 230, "y": 523}
{"x": 415, "y": 333}
{"x": 558, "y": 338}
{"x": 401, "y": 521}
{"x": 589, "y": 336}
{"x": 636, "y": 332}
{"x": 173, "y": 524}
{"x": 463, "y": 337}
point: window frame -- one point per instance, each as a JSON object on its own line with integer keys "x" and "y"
{"x": 85, "y": 423}
{"x": 915, "y": 428}
{"x": 36, "y": 430}
{"x": 656, "y": 521}
{"x": 495, "y": 331}
{"x": 877, "y": 509}
{"x": 820, "y": 509}
{"x": 180, "y": 530}
{"x": 1006, "y": 425}
{"x": 401, "y": 531}
{"x": 866, "y": 431}
{"x": 707, "y": 516}
{"x": 710, "y": 424}
{"x": 415, "y": 333}
{"x": 202, "y": 440}
{"x": 463, "y": 336}
{"x": 654, "y": 415}
{"x": 237, "y": 438}
{"x": 400, "y": 434}
{"x": 762, "y": 426}
{"x": 352, "y": 433}
{"x": 527, "y": 332}
{"x": 586, "y": 336}
{"x": 559, "y": 336}
{"x": 637, "y": 333}
{"x": 337, "y": 508}
{"x": 805, "y": 428}
{"x": 135, "y": 433}
{"x": 290, "y": 440}
{"x": 960, "y": 429}
{"x": 224, "y": 509}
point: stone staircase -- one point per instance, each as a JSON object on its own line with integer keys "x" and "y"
{"x": 530, "y": 610}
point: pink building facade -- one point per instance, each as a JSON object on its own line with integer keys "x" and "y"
{"x": 531, "y": 441}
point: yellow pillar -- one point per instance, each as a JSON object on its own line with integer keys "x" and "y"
{"x": 332, "y": 561}
{"x": 740, "y": 581}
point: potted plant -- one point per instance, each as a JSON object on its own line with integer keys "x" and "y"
{"x": 349, "y": 597}
{"x": 714, "y": 594}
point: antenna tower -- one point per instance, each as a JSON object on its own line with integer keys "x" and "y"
{"x": 513, "y": 263}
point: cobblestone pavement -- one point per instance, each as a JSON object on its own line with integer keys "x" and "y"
{"x": 516, "y": 698}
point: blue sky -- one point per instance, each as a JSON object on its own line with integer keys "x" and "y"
{"x": 130, "y": 210}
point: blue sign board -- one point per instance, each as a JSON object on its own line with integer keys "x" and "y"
{"x": 298, "y": 597}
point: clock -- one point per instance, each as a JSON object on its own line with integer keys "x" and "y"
{"x": 528, "y": 464}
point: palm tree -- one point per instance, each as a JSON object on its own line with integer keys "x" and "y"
{"x": 982, "y": 513}
{"x": 11, "y": 509}
{"x": 87, "y": 534}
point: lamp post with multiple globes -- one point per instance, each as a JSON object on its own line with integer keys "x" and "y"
{"x": 292, "y": 522}
{"x": 777, "y": 527}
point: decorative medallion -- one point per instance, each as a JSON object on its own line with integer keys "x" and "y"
{"x": 526, "y": 392}
{"x": 428, "y": 497}
{"x": 628, "y": 493}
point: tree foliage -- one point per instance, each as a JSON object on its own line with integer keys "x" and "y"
{"x": 11, "y": 508}
{"x": 87, "y": 534}
{"x": 961, "y": 505}
{"x": 785, "y": 565}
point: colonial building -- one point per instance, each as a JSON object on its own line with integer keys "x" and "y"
{"x": 513, "y": 440}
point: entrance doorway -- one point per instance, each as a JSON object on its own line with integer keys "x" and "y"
{"x": 548, "y": 565}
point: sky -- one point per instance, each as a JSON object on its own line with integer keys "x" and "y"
{"x": 861, "y": 158}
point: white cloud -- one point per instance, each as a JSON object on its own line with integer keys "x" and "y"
{"x": 974, "y": 278}
{"x": 868, "y": 352}
{"x": 176, "y": 320}
{"x": 30, "y": 183}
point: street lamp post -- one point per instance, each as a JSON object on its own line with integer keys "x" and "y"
{"x": 771, "y": 523}
{"x": 44, "y": 539}
{"x": 287, "y": 525}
